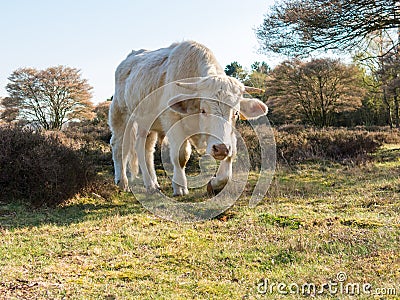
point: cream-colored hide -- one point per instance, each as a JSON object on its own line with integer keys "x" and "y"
{"x": 210, "y": 105}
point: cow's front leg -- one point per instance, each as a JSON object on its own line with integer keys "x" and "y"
{"x": 179, "y": 158}
{"x": 145, "y": 155}
{"x": 224, "y": 174}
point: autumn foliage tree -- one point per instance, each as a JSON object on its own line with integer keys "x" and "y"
{"x": 47, "y": 98}
{"x": 313, "y": 92}
{"x": 298, "y": 28}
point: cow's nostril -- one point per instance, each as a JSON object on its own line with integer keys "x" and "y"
{"x": 215, "y": 148}
{"x": 223, "y": 148}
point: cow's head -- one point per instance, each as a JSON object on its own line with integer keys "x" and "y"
{"x": 219, "y": 104}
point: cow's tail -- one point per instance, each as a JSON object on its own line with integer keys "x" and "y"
{"x": 133, "y": 162}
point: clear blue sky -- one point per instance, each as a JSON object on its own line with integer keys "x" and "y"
{"x": 96, "y": 35}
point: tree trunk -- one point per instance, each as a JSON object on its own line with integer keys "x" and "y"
{"x": 323, "y": 116}
{"x": 396, "y": 111}
{"x": 388, "y": 110}
{"x": 396, "y": 98}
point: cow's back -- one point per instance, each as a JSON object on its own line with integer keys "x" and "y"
{"x": 143, "y": 71}
{"x": 138, "y": 75}
{"x": 191, "y": 59}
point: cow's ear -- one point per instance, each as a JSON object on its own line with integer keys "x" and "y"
{"x": 252, "y": 108}
{"x": 180, "y": 103}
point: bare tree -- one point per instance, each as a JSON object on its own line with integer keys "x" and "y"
{"x": 299, "y": 27}
{"x": 313, "y": 91}
{"x": 47, "y": 98}
{"x": 390, "y": 74}
{"x": 381, "y": 61}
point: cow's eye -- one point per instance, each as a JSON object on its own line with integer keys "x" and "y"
{"x": 203, "y": 111}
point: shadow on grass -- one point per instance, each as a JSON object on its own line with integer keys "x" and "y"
{"x": 18, "y": 215}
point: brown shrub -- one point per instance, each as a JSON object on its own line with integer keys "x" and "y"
{"x": 297, "y": 143}
{"x": 252, "y": 144}
{"x": 88, "y": 131}
{"x": 39, "y": 169}
{"x": 333, "y": 144}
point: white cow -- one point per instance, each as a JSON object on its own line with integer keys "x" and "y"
{"x": 209, "y": 105}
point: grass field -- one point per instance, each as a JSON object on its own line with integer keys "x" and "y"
{"x": 330, "y": 225}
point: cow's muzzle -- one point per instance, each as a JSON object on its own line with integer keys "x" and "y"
{"x": 220, "y": 151}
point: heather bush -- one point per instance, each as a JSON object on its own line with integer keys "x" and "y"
{"x": 252, "y": 144}
{"x": 337, "y": 145}
{"x": 297, "y": 143}
{"x": 88, "y": 131}
{"x": 39, "y": 169}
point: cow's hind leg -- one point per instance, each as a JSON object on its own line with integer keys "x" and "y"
{"x": 133, "y": 164}
{"x": 117, "y": 121}
{"x": 128, "y": 155}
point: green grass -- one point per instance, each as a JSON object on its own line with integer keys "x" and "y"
{"x": 318, "y": 219}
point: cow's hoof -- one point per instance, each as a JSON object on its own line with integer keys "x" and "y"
{"x": 212, "y": 191}
{"x": 123, "y": 185}
{"x": 153, "y": 190}
{"x": 181, "y": 191}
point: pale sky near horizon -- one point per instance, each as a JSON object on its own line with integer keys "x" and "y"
{"x": 95, "y": 36}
